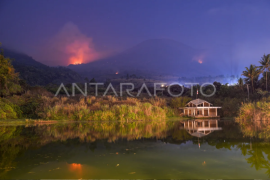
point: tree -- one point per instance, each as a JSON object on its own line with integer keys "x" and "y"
{"x": 240, "y": 83}
{"x": 217, "y": 85}
{"x": 251, "y": 73}
{"x": 263, "y": 81}
{"x": 86, "y": 79}
{"x": 179, "y": 101}
{"x": 9, "y": 79}
{"x": 265, "y": 65}
{"x": 93, "y": 80}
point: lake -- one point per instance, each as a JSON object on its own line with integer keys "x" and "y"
{"x": 117, "y": 150}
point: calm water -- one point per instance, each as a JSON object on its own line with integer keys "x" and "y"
{"x": 194, "y": 150}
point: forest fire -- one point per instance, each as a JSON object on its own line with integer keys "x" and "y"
{"x": 78, "y": 53}
{"x": 116, "y": 72}
{"x": 77, "y": 48}
{"x": 76, "y": 62}
{"x": 200, "y": 61}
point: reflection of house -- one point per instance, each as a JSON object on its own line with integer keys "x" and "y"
{"x": 200, "y": 128}
{"x": 199, "y": 108}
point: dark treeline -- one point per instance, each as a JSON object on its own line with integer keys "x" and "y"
{"x": 18, "y": 99}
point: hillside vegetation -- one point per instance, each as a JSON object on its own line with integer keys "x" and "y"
{"x": 36, "y": 73}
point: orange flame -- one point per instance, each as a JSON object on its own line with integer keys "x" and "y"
{"x": 79, "y": 52}
{"x": 116, "y": 72}
{"x": 75, "y": 62}
{"x": 75, "y": 166}
{"x": 71, "y": 46}
{"x": 200, "y": 61}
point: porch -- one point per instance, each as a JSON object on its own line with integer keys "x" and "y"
{"x": 201, "y": 112}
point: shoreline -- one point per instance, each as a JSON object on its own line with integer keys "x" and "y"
{"x": 41, "y": 121}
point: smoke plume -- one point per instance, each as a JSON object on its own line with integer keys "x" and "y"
{"x": 71, "y": 46}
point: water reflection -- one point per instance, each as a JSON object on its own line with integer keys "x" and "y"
{"x": 201, "y": 128}
{"x": 136, "y": 150}
{"x": 257, "y": 129}
{"x": 76, "y": 168}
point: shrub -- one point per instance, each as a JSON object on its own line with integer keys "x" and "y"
{"x": 131, "y": 100}
{"x": 89, "y": 100}
{"x": 30, "y": 106}
{"x": 3, "y": 115}
{"x": 179, "y": 102}
{"x": 156, "y": 101}
{"x": 170, "y": 112}
{"x": 96, "y": 105}
{"x": 89, "y": 108}
{"x": 230, "y": 106}
{"x": 254, "y": 111}
{"x": 80, "y": 111}
{"x": 111, "y": 98}
{"x": 6, "y": 110}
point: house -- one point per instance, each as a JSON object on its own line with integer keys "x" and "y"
{"x": 201, "y": 128}
{"x": 199, "y": 108}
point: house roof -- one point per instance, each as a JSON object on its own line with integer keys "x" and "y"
{"x": 198, "y": 101}
{"x": 198, "y": 134}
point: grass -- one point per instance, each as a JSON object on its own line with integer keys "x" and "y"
{"x": 25, "y": 121}
{"x": 110, "y": 109}
{"x": 29, "y": 106}
{"x": 104, "y": 108}
{"x": 255, "y": 111}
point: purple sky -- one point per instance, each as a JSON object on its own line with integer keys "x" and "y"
{"x": 236, "y": 32}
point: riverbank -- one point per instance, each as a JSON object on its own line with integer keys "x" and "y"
{"x": 41, "y": 121}
{"x": 41, "y": 104}
{"x": 27, "y": 121}
{"x": 30, "y": 106}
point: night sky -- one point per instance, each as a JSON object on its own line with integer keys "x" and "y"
{"x": 49, "y": 31}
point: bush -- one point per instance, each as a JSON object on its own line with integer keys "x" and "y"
{"x": 170, "y": 112}
{"x": 30, "y": 106}
{"x": 230, "y": 106}
{"x": 179, "y": 102}
{"x": 3, "y": 115}
{"x": 156, "y": 101}
{"x": 96, "y": 111}
{"x": 89, "y": 108}
{"x": 6, "y": 110}
{"x": 254, "y": 111}
{"x": 141, "y": 111}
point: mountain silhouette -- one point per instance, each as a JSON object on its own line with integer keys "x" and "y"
{"x": 36, "y": 73}
{"x": 153, "y": 56}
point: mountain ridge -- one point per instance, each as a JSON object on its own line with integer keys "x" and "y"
{"x": 36, "y": 73}
{"x": 158, "y": 56}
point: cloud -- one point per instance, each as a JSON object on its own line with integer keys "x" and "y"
{"x": 70, "y": 46}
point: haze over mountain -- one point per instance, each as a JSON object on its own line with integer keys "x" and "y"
{"x": 36, "y": 73}
{"x": 228, "y": 32}
{"x": 153, "y": 56}
{"x": 149, "y": 59}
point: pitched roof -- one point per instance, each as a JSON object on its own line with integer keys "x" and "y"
{"x": 198, "y": 134}
{"x": 198, "y": 101}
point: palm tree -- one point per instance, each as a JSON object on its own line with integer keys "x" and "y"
{"x": 265, "y": 65}
{"x": 240, "y": 83}
{"x": 251, "y": 73}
